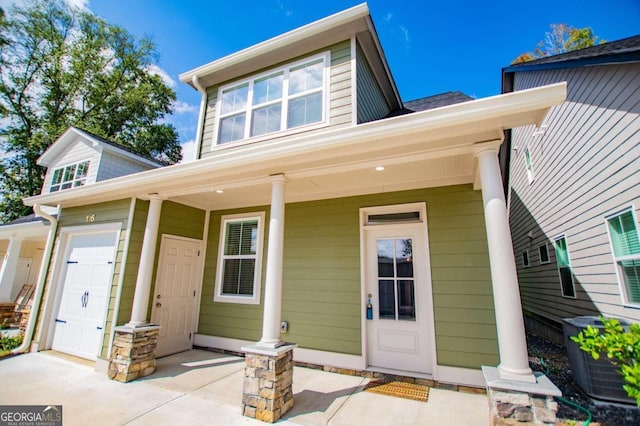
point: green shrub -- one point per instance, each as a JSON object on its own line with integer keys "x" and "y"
{"x": 622, "y": 348}
{"x": 8, "y": 343}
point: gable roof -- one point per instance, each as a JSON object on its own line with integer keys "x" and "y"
{"x": 431, "y": 102}
{"x": 353, "y": 22}
{"x": 72, "y": 132}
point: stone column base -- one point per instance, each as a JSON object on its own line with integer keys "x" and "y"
{"x": 520, "y": 403}
{"x": 268, "y": 377}
{"x": 132, "y": 355}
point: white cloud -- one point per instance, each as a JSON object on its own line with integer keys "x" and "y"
{"x": 287, "y": 11}
{"x": 405, "y": 33}
{"x": 156, "y": 70}
{"x": 188, "y": 151}
{"x": 388, "y": 17}
{"x": 180, "y": 107}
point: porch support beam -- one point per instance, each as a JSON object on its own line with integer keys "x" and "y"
{"x": 9, "y": 268}
{"x": 273, "y": 282}
{"x": 145, "y": 268}
{"x": 512, "y": 344}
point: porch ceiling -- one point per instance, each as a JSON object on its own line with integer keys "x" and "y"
{"x": 429, "y": 148}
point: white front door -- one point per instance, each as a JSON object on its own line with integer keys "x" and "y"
{"x": 86, "y": 277}
{"x": 175, "y": 297}
{"x": 397, "y": 289}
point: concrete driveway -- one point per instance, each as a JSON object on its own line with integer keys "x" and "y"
{"x": 200, "y": 387}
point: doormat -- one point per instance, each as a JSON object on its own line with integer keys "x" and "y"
{"x": 399, "y": 389}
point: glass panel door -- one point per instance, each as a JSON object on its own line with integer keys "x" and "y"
{"x": 396, "y": 284}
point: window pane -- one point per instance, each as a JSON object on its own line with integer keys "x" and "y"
{"x": 525, "y": 258}
{"x": 234, "y": 99}
{"x": 406, "y": 301}
{"x": 624, "y": 235}
{"x": 55, "y": 188}
{"x": 544, "y": 253}
{"x": 385, "y": 258}
{"x": 386, "y": 299}
{"x": 374, "y": 219}
{"x": 231, "y": 128}
{"x": 267, "y": 89}
{"x": 305, "y": 77}
{"x": 57, "y": 177}
{"x": 82, "y": 170}
{"x": 238, "y": 277}
{"x": 78, "y": 183}
{"x": 404, "y": 257}
{"x": 305, "y": 110}
{"x": 69, "y": 172}
{"x": 562, "y": 257}
{"x": 249, "y": 241}
{"x": 266, "y": 119}
{"x": 66, "y": 185}
{"x": 567, "y": 282}
{"x": 232, "y": 244}
{"x": 631, "y": 275}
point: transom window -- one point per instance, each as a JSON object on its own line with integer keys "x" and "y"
{"x": 239, "y": 259}
{"x": 564, "y": 267}
{"x": 284, "y": 98}
{"x": 69, "y": 176}
{"x": 623, "y": 232}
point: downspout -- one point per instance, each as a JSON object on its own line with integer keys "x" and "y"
{"x": 203, "y": 105}
{"x": 42, "y": 277}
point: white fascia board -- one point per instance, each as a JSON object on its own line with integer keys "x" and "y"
{"x": 24, "y": 230}
{"x": 534, "y": 103}
{"x": 278, "y": 42}
{"x": 56, "y": 147}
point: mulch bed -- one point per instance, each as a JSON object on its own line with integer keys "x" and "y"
{"x": 556, "y": 367}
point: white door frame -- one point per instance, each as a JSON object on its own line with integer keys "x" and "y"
{"x": 198, "y": 276}
{"x": 429, "y": 335}
{"x": 58, "y": 274}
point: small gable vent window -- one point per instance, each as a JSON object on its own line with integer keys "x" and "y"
{"x": 69, "y": 176}
{"x": 280, "y": 99}
{"x": 623, "y": 232}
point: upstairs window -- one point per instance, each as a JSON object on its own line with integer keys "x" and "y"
{"x": 564, "y": 267}
{"x": 69, "y": 176}
{"x": 623, "y": 233}
{"x": 280, "y": 99}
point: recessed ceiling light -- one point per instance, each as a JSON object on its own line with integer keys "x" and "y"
{"x": 219, "y": 191}
{"x": 379, "y": 168}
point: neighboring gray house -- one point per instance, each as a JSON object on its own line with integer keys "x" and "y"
{"x": 574, "y": 186}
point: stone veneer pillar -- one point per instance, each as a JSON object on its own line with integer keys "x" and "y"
{"x": 132, "y": 354}
{"x": 268, "y": 377}
{"x": 518, "y": 403}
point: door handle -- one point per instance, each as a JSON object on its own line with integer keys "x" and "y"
{"x": 84, "y": 300}
{"x": 62, "y": 321}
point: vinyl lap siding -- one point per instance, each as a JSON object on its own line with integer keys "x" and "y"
{"x": 112, "y": 166}
{"x": 340, "y": 102}
{"x": 371, "y": 102}
{"x": 586, "y": 167}
{"x": 321, "y": 277}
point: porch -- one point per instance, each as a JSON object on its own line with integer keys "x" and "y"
{"x": 200, "y": 387}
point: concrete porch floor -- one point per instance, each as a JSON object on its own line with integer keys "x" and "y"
{"x": 200, "y": 387}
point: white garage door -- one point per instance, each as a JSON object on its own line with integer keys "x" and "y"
{"x": 86, "y": 277}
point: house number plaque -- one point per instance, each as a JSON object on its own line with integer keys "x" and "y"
{"x": 90, "y": 218}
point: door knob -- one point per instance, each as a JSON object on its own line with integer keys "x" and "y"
{"x": 158, "y": 304}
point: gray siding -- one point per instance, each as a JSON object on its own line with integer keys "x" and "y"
{"x": 340, "y": 102}
{"x": 371, "y": 102}
{"x": 112, "y": 166}
{"x": 585, "y": 168}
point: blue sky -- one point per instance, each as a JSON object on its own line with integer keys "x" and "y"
{"x": 431, "y": 46}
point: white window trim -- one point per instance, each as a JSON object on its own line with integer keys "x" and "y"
{"x": 528, "y": 166}
{"x": 526, "y": 264}
{"x": 325, "y": 56}
{"x": 573, "y": 283}
{"x": 63, "y": 168}
{"x": 545, "y": 244}
{"x": 257, "y": 278}
{"x": 621, "y": 286}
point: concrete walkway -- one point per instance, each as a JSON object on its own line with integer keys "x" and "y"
{"x": 200, "y": 387}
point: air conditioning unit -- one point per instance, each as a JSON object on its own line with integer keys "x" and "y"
{"x": 597, "y": 378}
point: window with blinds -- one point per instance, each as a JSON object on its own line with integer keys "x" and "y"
{"x": 564, "y": 267}
{"x": 625, "y": 243}
{"x": 240, "y": 252}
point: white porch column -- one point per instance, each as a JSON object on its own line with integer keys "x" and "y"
{"x": 273, "y": 282}
{"x": 512, "y": 343}
{"x": 9, "y": 267}
{"x": 145, "y": 267}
